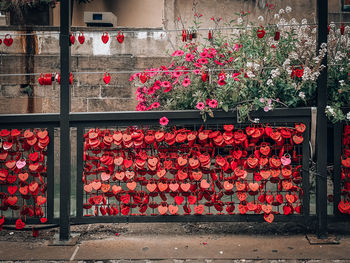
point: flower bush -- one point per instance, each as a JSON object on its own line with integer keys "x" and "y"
{"x": 338, "y": 72}
{"x": 264, "y": 65}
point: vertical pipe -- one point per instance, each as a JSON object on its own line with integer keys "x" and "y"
{"x": 65, "y": 152}
{"x": 80, "y": 162}
{"x": 337, "y": 166}
{"x": 50, "y": 175}
{"x": 321, "y": 130}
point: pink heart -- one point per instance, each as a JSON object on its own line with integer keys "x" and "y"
{"x": 20, "y": 164}
{"x": 285, "y": 160}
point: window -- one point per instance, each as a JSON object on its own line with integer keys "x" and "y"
{"x": 345, "y": 5}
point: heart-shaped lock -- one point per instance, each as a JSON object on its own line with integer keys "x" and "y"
{"x": 8, "y": 40}
{"x": 107, "y": 78}
{"x": 105, "y": 37}
{"x": 81, "y": 38}
{"x": 72, "y": 38}
{"x": 120, "y": 37}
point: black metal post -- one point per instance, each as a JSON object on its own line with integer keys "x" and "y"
{"x": 321, "y": 130}
{"x": 65, "y": 154}
{"x": 338, "y": 133}
{"x": 80, "y": 167}
{"x": 50, "y": 175}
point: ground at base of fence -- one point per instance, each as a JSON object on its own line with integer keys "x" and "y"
{"x": 175, "y": 242}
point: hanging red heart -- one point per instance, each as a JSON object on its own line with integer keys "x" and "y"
{"x": 8, "y": 40}
{"x": 72, "y": 38}
{"x": 105, "y": 37}
{"x": 277, "y": 36}
{"x": 269, "y": 217}
{"x": 0, "y": 41}
{"x": 260, "y": 32}
{"x": 20, "y": 224}
{"x": 107, "y": 78}
{"x": 120, "y": 37}
{"x": 184, "y": 35}
{"x": 204, "y": 76}
{"x": 81, "y": 38}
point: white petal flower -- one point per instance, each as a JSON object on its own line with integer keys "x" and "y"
{"x": 288, "y": 9}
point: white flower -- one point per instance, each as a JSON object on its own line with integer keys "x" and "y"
{"x": 261, "y": 19}
{"x": 302, "y": 95}
{"x": 275, "y": 73}
{"x": 250, "y": 74}
{"x": 276, "y": 16}
{"x": 281, "y": 11}
{"x": 288, "y": 9}
{"x": 256, "y": 120}
{"x": 304, "y": 21}
{"x": 342, "y": 82}
{"x": 240, "y": 20}
{"x": 269, "y": 82}
{"x": 348, "y": 116}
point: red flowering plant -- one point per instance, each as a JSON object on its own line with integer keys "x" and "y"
{"x": 254, "y": 66}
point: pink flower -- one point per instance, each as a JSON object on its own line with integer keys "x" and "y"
{"x": 236, "y": 48}
{"x": 200, "y": 105}
{"x": 178, "y": 53}
{"x": 266, "y": 108}
{"x": 189, "y": 57}
{"x": 151, "y": 90}
{"x": 197, "y": 65}
{"x": 204, "y": 54}
{"x": 218, "y": 62}
{"x": 163, "y": 121}
{"x": 166, "y": 84}
{"x": 202, "y": 61}
{"x": 177, "y": 74}
{"x": 186, "y": 82}
{"x": 212, "y": 103}
{"x": 197, "y": 71}
{"x": 155, "y": 105}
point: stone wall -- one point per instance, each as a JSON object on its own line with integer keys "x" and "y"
{"x": 142, "y": 48}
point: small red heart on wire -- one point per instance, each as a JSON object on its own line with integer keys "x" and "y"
{"x": 20, "y": 224}
{"x": 105, "y": 37}
{"x": 0, "y": 41}
{"x": 81, "y": 38}
{"x": 8, "y": 40}
{"x": 107, "y": 78}
{"x": 72, "y": 38}
{"x": 260, "y": 32}
{"x": 120, "y": 37}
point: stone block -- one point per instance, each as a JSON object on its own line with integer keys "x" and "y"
{"x": 86, "y": 91}
{"x": 50, "y": 105}
{"x": 78, "y": 105}
{"x": 105, "y": 105}
{"x": 104, "y": 63}
{"x": 13, "y": 91}
{"x": 50, "y": 91}
{"x": 151, "y": 62}
{"x": 113, "y": 91}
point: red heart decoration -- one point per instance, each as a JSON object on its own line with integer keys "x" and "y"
{"x": 162, "y": 209}
{"x": 107, "y": 78}
{"x": 43, "y": 220}
{"x": 12, "y": 200}
{"x": 116, "y": 189}
{"x": 81, "y": 38}
{"x": 24, "y": 189}
{"x": 199, "y": 209}
{"x": 20, "y": 224}
{"x": 12, "y": 189}
{"x": 8, "y": 40}
{"x": 72, "y": 39}
{"x": 105, "y": 39}
{"x": 287, "y": 210}
{"x": 125, "y": 210}
{"x": 179, "y": 199}
{"x": 266, "y": 209}
{"x": 192, "y": 199}
{"x": 269, "y": 217}
{"x": 120, "y": 37}
{"x": 33, "y": 156}
{"x": 143, "y": 79}
{"x": 173, "y": 209}
{"x": 40, "y": 200}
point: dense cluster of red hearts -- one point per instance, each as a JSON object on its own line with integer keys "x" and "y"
{"x": 344, "y": 205}
{"x": 187, "y": 172}
{"x": 23, "y": 173}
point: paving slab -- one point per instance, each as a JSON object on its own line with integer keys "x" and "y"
{"x": 209, "y": 247}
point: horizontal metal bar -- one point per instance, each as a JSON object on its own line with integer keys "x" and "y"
{"x": 181, "y": 116}
{"x": 184, "y": 218}
{"x": 30, "y": 221}
{"x": 34, "y": 119}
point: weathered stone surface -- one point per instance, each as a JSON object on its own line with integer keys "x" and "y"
{"x": 79, "y": 105}
{"x": 86, "y": 91}
{"x": 113, "y": 91}
{"x": 104, "y": 63}
{"x": 12, "y": 91}
{"x": 49, "y": 91}
{"x": 104, "y": 105}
